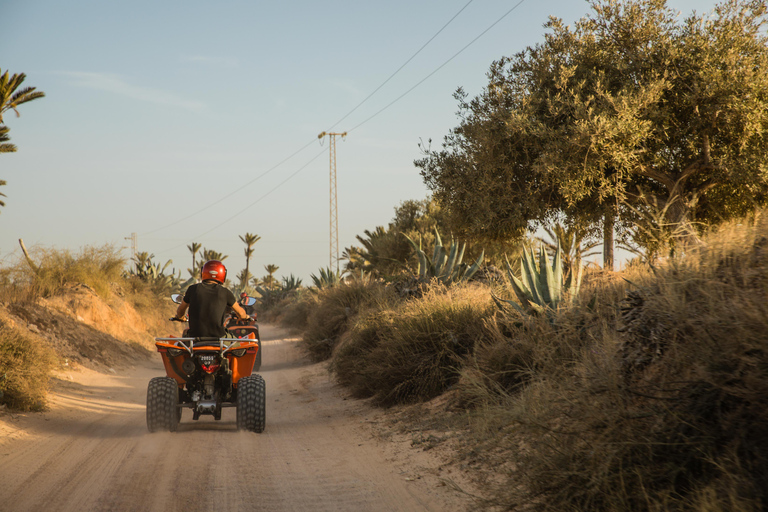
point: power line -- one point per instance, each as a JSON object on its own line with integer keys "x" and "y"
{"x": 309, "y": 143}
{"x": 305, "y": 146}
{"x": 344, "y": 117}
{"x": 401, "y": 67}
{"x": 441, "y": 66}
{"x": 250, "y": 205}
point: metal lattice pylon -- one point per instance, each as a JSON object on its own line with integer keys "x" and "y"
{"x": 334, "y": 207}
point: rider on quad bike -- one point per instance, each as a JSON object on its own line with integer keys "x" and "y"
{"x": 249, "y": 310}
{"x": 210, "y": 367}
{"x": 209, "y": 303}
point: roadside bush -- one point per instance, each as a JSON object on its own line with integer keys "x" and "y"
{"x": 25, "y": 366}
{"x": 291, "y": 312}
{"x": 416, "y": 350}
{"x": 332, "y": 309}
{"x": 670, "y": 413}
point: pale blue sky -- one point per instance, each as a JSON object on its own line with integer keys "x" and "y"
{"x": 157, "y": 109}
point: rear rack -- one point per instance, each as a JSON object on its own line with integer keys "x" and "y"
{"x": 189, "y": 343}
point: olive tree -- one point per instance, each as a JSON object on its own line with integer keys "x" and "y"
{"x": 629, "y": 109}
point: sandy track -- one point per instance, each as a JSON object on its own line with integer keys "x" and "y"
{"x": 92, "y": 451}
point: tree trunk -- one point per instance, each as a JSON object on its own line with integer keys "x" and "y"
{"x": 608, "y": 221}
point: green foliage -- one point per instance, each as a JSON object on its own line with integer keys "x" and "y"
{"x": 290, "y": 283}
{"x": 327, "y": 279}
{"x": 269, "y": 281}
{"x": 209, "y": 254}
{"x": 5, "y": 146}
{"x": 627, "y": 101}
{"x": 287, "y": 288}
{"x": 574, "y": 240}
{"x": 445, "y": 265}
{"x": 10, "y": 97}
{"x": 249, "y": 240}
{"x": 197, "y": 266}
{"x": 542, "y": 287}
{"x": 154, "y": 274}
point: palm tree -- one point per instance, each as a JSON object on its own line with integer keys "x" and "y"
{"x": 269, "y": 280}
{"x": 10, "y": 98}
{"x": 249, "y": 240}
{"x": 194, "y": 248}
{"x": 2, "y": 184}
{"x": 5, "y": 147}
{"x": 209, "y": 254}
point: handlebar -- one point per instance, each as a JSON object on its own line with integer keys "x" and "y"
{"x": 174, "y": 319}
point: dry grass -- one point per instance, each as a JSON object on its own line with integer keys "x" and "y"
{"x": 333, "y": 308}
{"x": 25, "y": 367}
{"x": 415, "y": 351}
{"x": 96, "y": 267}
{"x": 669, "y": 411}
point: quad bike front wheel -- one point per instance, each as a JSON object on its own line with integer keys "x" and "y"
{"x": 251, "y": 404}
{"x": 163, "y": 413}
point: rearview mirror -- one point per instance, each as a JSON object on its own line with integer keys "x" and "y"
{"x": 176, "y": 297}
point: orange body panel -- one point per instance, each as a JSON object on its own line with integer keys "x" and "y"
{"x": 241, "y": 366}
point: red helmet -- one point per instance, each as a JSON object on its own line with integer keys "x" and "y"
{"x": 214, "y": 269}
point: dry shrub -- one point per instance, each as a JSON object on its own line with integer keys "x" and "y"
{"x": 522, "y": 347}
{"x": 671, "y": 413}
{"x": 415, "y": 351}
{"x": 96, "y": 267}
{"x": 291, "y": 312}
{"x": 25, "y": 367}
{"x": 331, "y": 310}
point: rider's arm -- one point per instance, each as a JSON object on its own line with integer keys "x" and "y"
{"x": 182, "y": 310}
{"x": 237, "y": 308}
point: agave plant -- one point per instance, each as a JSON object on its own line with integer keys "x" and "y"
{"x": 446, "y": 265}
{"x": 290, "y": 283}
{"x": 326, "y": 279}
{"x": 154, "y": 273}
{"x": 541, "y": 287}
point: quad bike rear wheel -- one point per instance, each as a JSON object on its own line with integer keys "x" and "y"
{"x": 163, "y": 413}
{"x": 251, "y": 404}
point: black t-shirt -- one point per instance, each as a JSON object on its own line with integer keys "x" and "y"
{"x": 209, "y": 303}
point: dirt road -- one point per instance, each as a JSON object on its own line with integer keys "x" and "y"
{"x": 92, "y": 451}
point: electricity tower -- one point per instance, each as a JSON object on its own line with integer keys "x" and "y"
{"x": 334, "y": 245}
{"x": 134, "y": 247}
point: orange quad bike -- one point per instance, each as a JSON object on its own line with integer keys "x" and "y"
{"x": 246, "y": 328}
{"x": 206, "y": 375}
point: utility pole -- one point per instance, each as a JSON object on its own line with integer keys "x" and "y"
{"x": 134, "y": 243}
{"x": 334, "y": 203}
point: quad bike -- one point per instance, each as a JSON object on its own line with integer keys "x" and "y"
{"x": 206, "y": 374}
{"x": 246, "y": 329}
